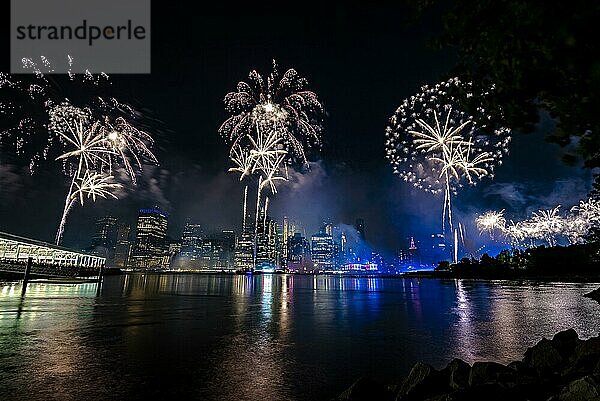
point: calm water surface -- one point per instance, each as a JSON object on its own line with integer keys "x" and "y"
{"x": 264, "y": 337}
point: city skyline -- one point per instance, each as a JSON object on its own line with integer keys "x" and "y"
{"x": 348, "y": 177}
{"x": 281, "y": 246}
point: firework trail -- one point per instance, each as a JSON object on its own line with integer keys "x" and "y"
{"x": 271, "y": 124}
{"x": 434, "y": 144}
{"x": 88, "y": 152}
{"x": 91, "y": 139}
{"x": 263, "y": 158}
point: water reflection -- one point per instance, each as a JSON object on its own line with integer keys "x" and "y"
{"x": 267, "y": 337}
{"x": 494, "y": 320}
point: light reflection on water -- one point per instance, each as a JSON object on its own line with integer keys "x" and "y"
{"x": 267, "y": 337}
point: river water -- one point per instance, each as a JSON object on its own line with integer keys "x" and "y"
{"x": 269, "y": 337}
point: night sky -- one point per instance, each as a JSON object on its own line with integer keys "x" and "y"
{"x": 362, "y": 62}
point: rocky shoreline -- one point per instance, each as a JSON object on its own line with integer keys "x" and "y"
{"x": 595, "y": 295}
{"x": 565, "y": 368}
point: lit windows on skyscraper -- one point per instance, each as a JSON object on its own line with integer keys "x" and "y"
{"x": 150, "y": 246}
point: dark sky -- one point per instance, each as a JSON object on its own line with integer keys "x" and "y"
{"x": 361, "y": 61}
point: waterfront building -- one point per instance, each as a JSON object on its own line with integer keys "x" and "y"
{"x": 218, "y": 251}
{"x": 15, "y": 252}
{"x": 151, "y": 247}
{"x": 105, "y": 234}
{"x": 323, "y": 250}
{"x": 299, "y": 254}
{"x": 122, "y": 247}
{"x": 244, "y": 252}
{"x": 191, "y": 241}
{"x": 266, "y": 245}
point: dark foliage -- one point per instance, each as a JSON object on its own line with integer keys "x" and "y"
{"x": 542, "y": 56}
{"x": 571, "y": 260}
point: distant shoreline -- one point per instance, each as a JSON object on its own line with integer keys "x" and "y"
{"x": 436, "y": 275}
{"x": 412, "y": 275}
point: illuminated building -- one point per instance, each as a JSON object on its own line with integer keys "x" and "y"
{"x": 150, "y": 250}
{"x": 409, "y": 258}
{"x": 104, "y": 238}
{"x": 191, "y": 241}
{"x": 244, "y": 252}
{"x": 289, "y": 229}
{"x": 361, "y": 267}
{"x": 439, "y": 250}
{"x": 322, "y": 251}
{"x": 286, "y": 235}
{"x": 299, "y": 254}
{"x": 122, "y": 247}
{"x": 105, "y": 235}
{"x": 266, "y": 246}
{"x": 217, "y": 252}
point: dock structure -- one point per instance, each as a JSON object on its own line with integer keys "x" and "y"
{"x": 46, "y": 259}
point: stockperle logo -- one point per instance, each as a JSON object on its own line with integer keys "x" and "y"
{"x": 110, "y": 36}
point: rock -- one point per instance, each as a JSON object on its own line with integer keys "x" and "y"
{"x": 543, "y": 357}
{"x": 458, "y": 373}
{"x": 584, "y": 389}
{"x": 520, "y": 367}
{"x": 366, "y": 389}
{"x": 492, "y": 372}
{"x": 423, "y": 382}
{"x": 595, "y": 295}
{"x": 565, "y": 343}
{"x": 585, "y": 358}
{"x": 486, "y": 392}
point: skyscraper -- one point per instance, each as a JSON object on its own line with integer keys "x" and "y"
{"x": 191, "y": 241}
{"x": 122, "y": 246}
{"x": 322, "y": 250}
{"x": 105, "y": 238}
{"x": 105, "y": 234}
{"x": 299, "y": 254}
{"x": 150, "y": 249}
{"x": 218, "y": 251}
{"x": 244, "y": 256}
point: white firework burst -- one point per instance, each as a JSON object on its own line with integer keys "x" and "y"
{"x": 131, "y": 145}
{"x": 432, "y": 143}
{"x": 281, "y": 104}
{"x": 491, "y": 221}
{"x": 93, "y": 185}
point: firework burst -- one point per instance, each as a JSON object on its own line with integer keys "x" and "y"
{"x": 91, "y": 140}
{"x": 30, "y": 101}
{"x": 491, "y": 221}
{"x": 547, "y": 225}
{"x": 434, "y": 144}
{"x": 281, "y": 104}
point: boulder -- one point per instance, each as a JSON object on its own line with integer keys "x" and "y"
{"x": 585, "y": 358}
{"x": 486, "y": 392}
{"x": 565, "y": 343}
{"x": 366, "y": 389}
{"x": 492, "y": 373}
{"x": 458, "y": 372}
{"x": 595, "y": 295}
{"x": 543, "y": 357}
{"x": 423, "y": 382}
{"x": 584, "y": 389}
